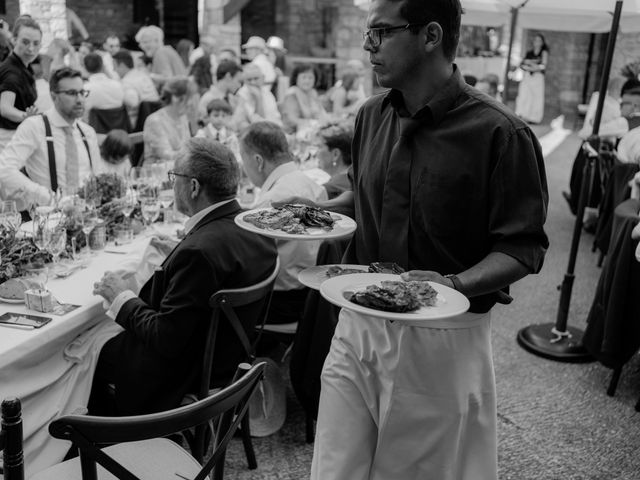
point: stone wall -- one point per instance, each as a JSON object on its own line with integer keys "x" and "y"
{"x": 227, "y": 35}
{"x": 627, "y": 51}
{"x": 102, "y": 17}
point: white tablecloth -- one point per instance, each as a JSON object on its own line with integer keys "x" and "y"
{"x": 51, "y": 368}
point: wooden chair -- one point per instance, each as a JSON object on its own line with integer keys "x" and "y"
{"x": 11, "y": 440}
{"x": 105, "y": 120}
{"x": 145, "y": 454}
{"x": 224, "y": 303}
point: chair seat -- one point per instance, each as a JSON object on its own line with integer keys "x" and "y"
{"x": 155, "y": 459}
{"x": 288, "y": 328}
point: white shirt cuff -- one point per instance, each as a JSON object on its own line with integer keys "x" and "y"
{"x": 118, "y": 302}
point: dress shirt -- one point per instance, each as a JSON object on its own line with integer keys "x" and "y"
{"x": 17, "y": 78}
{"x": 123, "y": 297}
{"x": 107, "y": 63}
{"x": 104, "y": 93}
{"x": 223, "y": 135}
{"x": 167, "y": 63}
{"x": 164, "y": 136}
{"x": 466, "y": 199}
{"x": 28, "y": 148}
{"x": 629, "y": 147}
{"x": 284, "y": 182}
{"x": 268, "y": 110}
{"x": 241, "y": 117}
{"x": 138, "y": 87}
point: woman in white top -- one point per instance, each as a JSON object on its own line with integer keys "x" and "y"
{"x": 301, "y": 105}
{"x": 166, "y": 130}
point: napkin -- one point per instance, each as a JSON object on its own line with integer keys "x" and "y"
{"x": 87, "y": 345}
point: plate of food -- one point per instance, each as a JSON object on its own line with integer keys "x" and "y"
{"x": 388, "y": 296}
{"x": 296, "y": 222}
{"x": 12, "y": 291}
{"x": 313, "y": 277}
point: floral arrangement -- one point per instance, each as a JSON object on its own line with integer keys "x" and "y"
{"x": 18, "y": 252}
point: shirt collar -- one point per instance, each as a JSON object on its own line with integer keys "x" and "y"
{"x": 437, "y": 107}
{"x": 280, "y": 171}
{"x": 196, "y": 217}
{"x": 56, "y": 119}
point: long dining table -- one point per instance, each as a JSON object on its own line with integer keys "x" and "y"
{"x": 50, "y": 369}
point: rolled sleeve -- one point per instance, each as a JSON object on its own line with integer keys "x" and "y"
{"x": 519, "y": 201}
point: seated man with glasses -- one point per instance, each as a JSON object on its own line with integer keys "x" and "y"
{"x": 56, "y": 150}
{"x": 157, "y": 358}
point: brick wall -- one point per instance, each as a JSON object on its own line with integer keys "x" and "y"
{"x": 627, "y": 51}
{"x": 101, "y": 17}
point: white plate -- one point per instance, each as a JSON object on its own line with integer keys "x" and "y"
{"x": 341, "y": 228}
{"x": 313, "y": 277}
{"x": 449, "y": 303}
{"x": 12, "y": 300}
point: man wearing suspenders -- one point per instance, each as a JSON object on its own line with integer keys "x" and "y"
{"x": 56, "y": 150}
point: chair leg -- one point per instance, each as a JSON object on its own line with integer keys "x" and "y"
{"x": 309, "y": 428}
{"x": 245, "y": 431}
{"x": 613, "y": 384}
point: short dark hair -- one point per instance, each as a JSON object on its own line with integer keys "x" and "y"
{"x": 61, "y": 74}
{"x": 116, "y": 145}
{"x": 214, "y": 166}
{"x": 123, "y": 56}
{"x": 630, "y": 85}
{"x": 110, "y": 35}
{"x": 268, "y": 140}
{"x": 445, "y": 12}
{"x": 227, "y": 66}
{"x": 338, "y": 136}
{"x": 93, "y": 62}
{"x": 25, "y": 21}
{"x": 179, "y": 86}
{"x": 219, "y": 105}
{"x": 301, "y": 68}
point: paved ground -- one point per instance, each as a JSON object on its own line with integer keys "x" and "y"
{"x": 555, "y": 420}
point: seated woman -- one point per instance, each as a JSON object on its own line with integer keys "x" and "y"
{"x": 347, "y": 97}
{"x": 301, "y": 104}
{"x": 115, "y": 151}
{"x": 334, "y": 156}
{"x": 166, "y": 130}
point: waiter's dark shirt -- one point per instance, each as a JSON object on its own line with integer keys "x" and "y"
{"x": 17, "y": 78}
{"x": 478, "y": 183}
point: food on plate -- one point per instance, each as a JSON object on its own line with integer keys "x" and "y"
{"x": 14, "y": 288}
{"x": 290, "y": 218}
{"x": 385, "y": 267}
{"x": 336, "y": 271}
{"x": 396, "y": 296}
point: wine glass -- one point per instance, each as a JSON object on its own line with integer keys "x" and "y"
{"x": 92, "y": 196}
{"x": 57, "y": 244}
{"x": 41, "y": 230}
{"x": 150, "y": 209}
{"x": 165, "y": 197}
{"x": 89, "y": 221}
{"x": 9, "y": 214}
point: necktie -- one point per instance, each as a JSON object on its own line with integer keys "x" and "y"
{"x": 396, "y": 198}
{"x": 72, "y": 163}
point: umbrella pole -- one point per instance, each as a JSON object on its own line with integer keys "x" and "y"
{"x": 558, "y": 341}
{"x": 514, "y": 20}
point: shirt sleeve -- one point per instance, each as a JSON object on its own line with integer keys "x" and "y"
{"x": 11, "y": 82}
{"x": 518, "y": 186}
{"x": 14, "y": 185}
{"x": 118, "y": 302}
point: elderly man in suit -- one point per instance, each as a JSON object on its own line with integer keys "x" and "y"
{"x": 155, "y": 360}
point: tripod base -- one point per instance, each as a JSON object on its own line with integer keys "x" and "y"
{"x": 541, "y": 339}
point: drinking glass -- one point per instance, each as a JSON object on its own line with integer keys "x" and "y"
{"x": 165, "y": 197}
{"x": 41, "y": 230}
{"x": 150, "y": 209}
{"x": 89, "y": 221}
{"x": 57, "y": 244}
{"x": 9, "y": 214}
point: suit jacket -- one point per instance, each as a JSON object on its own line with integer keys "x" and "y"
{"x": 157, "y": 359}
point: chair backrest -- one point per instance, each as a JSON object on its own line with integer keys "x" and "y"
{"x": 144, "y": 110}
{"x": 11, "y": 440}
{"x": 225, "y": 302}
{"x": 105, "y": 120}
{"x": 92, "y": 433}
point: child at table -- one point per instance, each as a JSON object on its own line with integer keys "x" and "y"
{"x": 218, "y": 128}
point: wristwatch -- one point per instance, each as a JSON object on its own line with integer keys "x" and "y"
{"x": 457, "y": 284}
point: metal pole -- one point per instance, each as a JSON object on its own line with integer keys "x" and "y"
{"x": 514, "y": 20}
{"x": 557, "y": 341}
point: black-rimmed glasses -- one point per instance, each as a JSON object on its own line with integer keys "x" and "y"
{"x": 75, "y": 93}
{"x": 172, "y": 176}
{"x": 375, "y": 35}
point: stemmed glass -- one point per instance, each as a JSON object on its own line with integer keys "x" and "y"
{"x": 89, "y": 221}
{"x": 9, "y": 214}
{"x": 57, "y": 244}
{"x": 165, "y": 197}
{"x": 149, "y": 206}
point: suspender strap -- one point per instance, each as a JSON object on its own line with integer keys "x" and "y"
{"x": 53, "y": 174}
{"x": 86, "y": 145}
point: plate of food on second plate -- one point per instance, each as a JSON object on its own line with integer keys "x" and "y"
{"x": 313, "y": 277}
{"x": 388, "y": 296}
{"x": 296, "y": 222}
